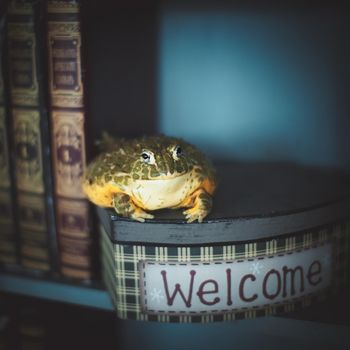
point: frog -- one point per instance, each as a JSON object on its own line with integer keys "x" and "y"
{"x": 141, "y": 175}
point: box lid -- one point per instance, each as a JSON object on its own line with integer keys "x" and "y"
{"x": 253, "y": 201}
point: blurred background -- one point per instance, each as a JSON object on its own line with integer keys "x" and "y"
{"x": 241, "y": 79}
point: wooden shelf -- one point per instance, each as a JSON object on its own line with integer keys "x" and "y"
{"x": 95, "y": 297}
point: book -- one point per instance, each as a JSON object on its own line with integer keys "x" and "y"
{"x": 8, "y": 245}
{"x": 68, "y": 119}
{"x": 30, "y": 133}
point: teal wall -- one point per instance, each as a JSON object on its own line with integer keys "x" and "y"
{"x": 256, "y": 85}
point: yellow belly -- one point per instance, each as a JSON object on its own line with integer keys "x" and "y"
{"x": 147, "y": 194}
{"x": 101, "y": 195}
{"x": 159, "y": 194}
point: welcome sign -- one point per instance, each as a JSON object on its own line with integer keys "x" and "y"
{"x": 218, "y": 287}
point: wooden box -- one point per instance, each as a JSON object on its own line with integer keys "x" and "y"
{"x": 277, "y": 240}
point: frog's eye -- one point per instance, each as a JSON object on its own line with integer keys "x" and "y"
{"x": 177, "y": 152}
{"x": 147, "y": 157}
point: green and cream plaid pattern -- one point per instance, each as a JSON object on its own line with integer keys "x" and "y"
{"x": 120, "y": 265}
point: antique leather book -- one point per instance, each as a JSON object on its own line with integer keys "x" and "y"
{"x": 68, "y": 138}
{"x": 8, "y": 244}
{"x": 30, "y": 134}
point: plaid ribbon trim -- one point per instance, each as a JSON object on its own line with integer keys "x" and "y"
{"x": 120, "y": 264}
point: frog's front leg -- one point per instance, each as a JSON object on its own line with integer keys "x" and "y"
{"x": 124, "y": 206}
{"x": 201, "y": 204}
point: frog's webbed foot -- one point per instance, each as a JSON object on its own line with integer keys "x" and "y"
{"x": 201, "y": 207}
{"x": 124, "y": 206}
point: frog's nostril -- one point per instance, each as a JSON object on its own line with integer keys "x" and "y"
{"x": 162, "y": 165}
{"x": 169, "y": 165}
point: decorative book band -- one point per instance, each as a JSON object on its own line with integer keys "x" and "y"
{"x": 27, "y": 138}
{"x": 6, "y": 211}
{"x": 2, "y": 89}
{"x": 63, "y": 7}
{"x": 68, "y": 152}
{"x": 22, "y": 57}
{"x": 33, "y": 264}
{"x": 64, "y": 43}
{"x": 20, "y": 7}
{"x": 72, "y": 218}
{"x": 4, "y": 158}
{"x": 32, "y": 212}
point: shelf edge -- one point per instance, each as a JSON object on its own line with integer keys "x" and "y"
{"x": 48, "y": 290}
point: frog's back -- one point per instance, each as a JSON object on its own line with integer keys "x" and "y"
{"x": 104, "y": 177}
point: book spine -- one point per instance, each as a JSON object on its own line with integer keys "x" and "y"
{"x": 8, "y": 245}
{"x": 30, "y": 130}
{"x": 68, "y": 138}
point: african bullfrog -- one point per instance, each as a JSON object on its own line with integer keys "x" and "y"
{"x": 150, "y": 173}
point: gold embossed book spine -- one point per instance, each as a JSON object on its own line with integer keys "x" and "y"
{"x": 68, "y": 138}
{"x": 30, "y": 144}
{"x": 8, "y": 244}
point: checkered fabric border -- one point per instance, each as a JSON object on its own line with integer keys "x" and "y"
{"x": 121, "y": 270}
